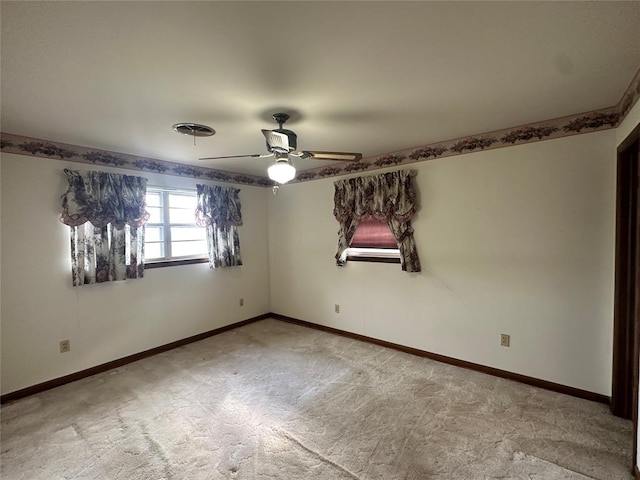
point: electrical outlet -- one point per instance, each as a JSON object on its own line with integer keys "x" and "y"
{"x": 505, "y": 340}
{"x": 337, "y": 308}
{"x": 241, "y": 302}
{"x": 65, "y": 346}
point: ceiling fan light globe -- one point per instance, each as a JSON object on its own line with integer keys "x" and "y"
{"x": 281, "y": 172}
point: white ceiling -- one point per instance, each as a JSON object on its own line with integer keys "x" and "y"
{"x": 370, "y": 77}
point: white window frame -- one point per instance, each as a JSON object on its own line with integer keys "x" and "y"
{"x": 373, "y": 252}
{"x": 169, "y": 259}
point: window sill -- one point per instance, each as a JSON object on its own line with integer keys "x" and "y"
{"x": 373, "y": 259}
{"x": 174, "y": 263}
{"x": 373, "y": 254}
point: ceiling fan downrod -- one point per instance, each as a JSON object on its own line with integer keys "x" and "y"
{"x": 281, "y": 118}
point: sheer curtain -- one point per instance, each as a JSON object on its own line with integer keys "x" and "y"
{"x": 219, "y": 211}
{"x": 389, "y": 197}
{"x": 106, "y": 214}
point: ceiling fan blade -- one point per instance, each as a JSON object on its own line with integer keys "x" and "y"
{"x": 335, "y": 156}
{"x": 253, "y": 155}
{"x": 276, "y": 141}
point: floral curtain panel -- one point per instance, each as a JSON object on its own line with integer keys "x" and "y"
{"x": 389, "y": 197}
{"x": 106, "y": 213}
{"x": 219, "y": 212}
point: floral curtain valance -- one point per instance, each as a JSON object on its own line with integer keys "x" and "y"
{"x": 106, "y": 213}
{"x": 104, "y": 198}
{"x": 387, "y": 196}
{"x": 219, "y": 211}
{"x": 384, "y": 196}
{"x": 219, "y": 205}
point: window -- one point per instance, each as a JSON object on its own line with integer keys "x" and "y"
{"x": 171, "y": 234}
{"x": 373, "y": 242}
{"x": 388, "y": 195}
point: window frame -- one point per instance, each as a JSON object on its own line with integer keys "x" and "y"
{"x": 168, "y": 260}
{"x": 373, "y": 255}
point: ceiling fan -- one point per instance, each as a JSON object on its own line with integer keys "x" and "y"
{"x": 282, "y": 144}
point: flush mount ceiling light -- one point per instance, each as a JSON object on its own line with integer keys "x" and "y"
{"x": 194, "y": 129}
{"x": 282, "y": 171}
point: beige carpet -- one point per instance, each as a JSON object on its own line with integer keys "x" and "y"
{"x": 276, "y": 401}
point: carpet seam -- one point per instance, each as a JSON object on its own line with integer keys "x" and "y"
{"x": 318, "y": 455}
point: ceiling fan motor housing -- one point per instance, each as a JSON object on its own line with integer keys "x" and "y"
{"x": 282, "y": 141}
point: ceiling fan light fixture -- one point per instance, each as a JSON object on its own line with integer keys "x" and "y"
{"x": 282, "y": 171}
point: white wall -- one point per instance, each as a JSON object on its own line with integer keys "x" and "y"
{"x": 518, "y": 240}
{"x": 106, "y": 321}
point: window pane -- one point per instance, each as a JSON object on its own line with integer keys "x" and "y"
{"x": 152, "y": 234}
{"x": 182, "y": 249}
{"x": 179, "y": 237}
{"x": 153, "y": 250}
{"x": 187, "y": 233}
{"x": 182, "y": 201}
{"x": 154, "y": 199}
{"x": 156, "y": 214}
{"x": 182, "y": 215}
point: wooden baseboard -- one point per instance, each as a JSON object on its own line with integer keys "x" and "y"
{"x": 56, "y": 382}
{"x": 536, "y": 382}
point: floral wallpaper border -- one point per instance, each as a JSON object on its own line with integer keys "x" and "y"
{"x": 534, "y": 132}
{"x": 560, "y": 127}
{"x": 43, "y": 148}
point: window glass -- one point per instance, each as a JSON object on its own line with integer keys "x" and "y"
{"x": 153, "y": 251}
{"x": 171, "y": 232}
{"x": 181, "y": 249}
{"x": 182, "y": 215}
{"x": 153, "y": 199}
{"x": 177, "y": 200}
{"x": 152, "y": 234}
{"x": 187, "y": 233}
{"x": 155, "y": 214}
